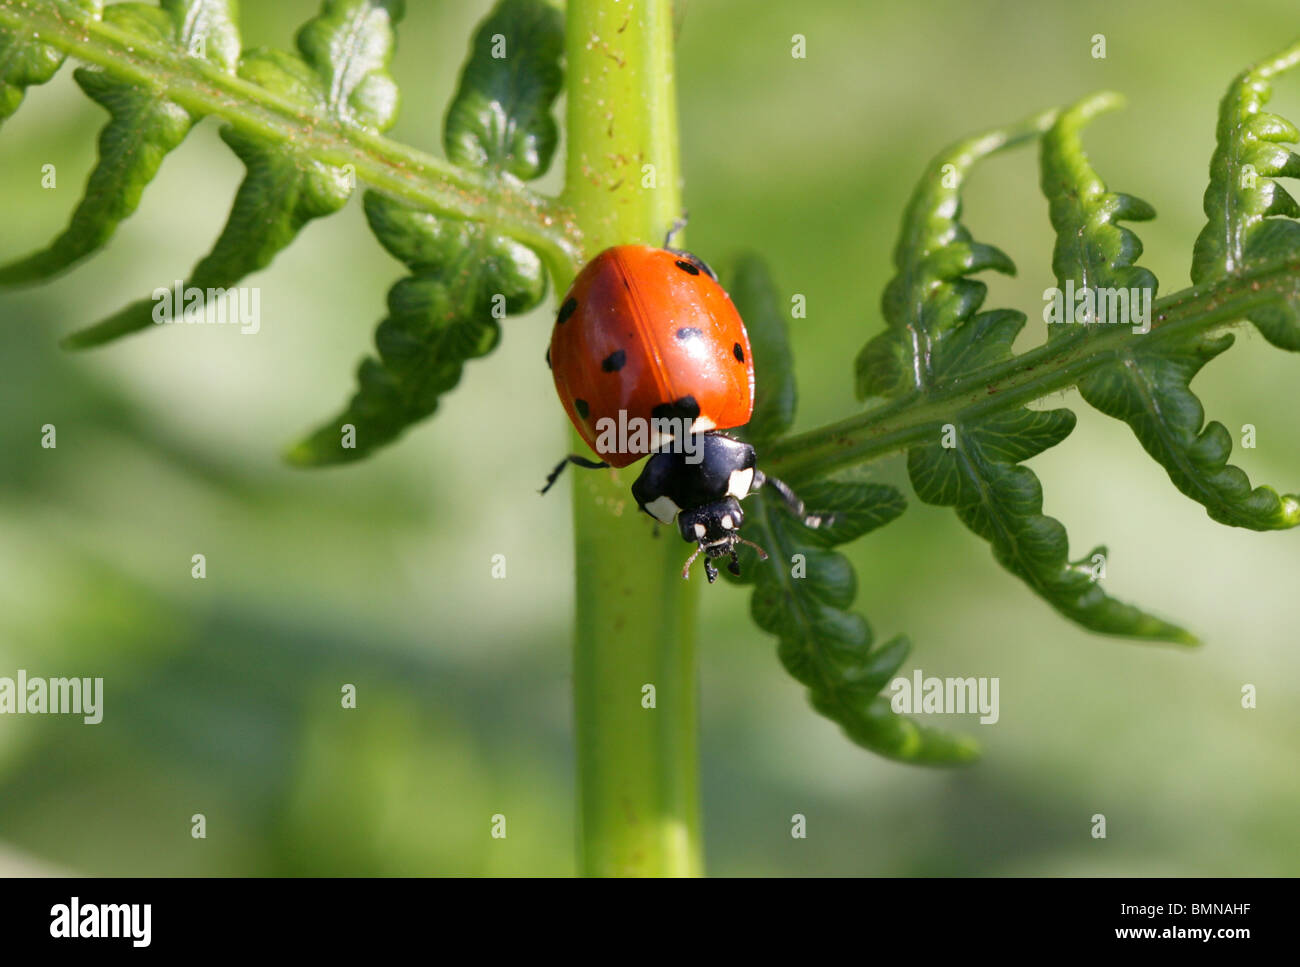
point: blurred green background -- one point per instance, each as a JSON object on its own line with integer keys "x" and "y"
{"x": 222, "y": 695}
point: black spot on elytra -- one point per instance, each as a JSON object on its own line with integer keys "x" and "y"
{"x": 614, "y": 361}
{"x": 582, "y": 408}
{"x": 738, "y": 352}
{"x": 689, "y": 332}
{"x": 684, "y": 408}
{"x": 548, "y": 357}
{"x": 569, "y": 308}
{"x": 692, "y": 263}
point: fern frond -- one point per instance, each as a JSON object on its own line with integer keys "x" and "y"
{"x": 465, "y": 277}
{"x": 1249, "y": 212}
{"x": 1146, "y": 381}
{"x": 803, "y": 594}
{"x": 1244, "y": 196}
{"x": 26, "y": 62}
{"x": 936, "y": 338}
{"x": 442, "y": 315}
{"x": 340, "y": 73}
{"x": 931, "y": 293}
{"x": 145, "y": 126}
{"x": 1092, "y": 249}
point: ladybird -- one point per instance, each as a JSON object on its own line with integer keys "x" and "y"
{"x": 646, "y": 333}
{"x": 651, "y": 359}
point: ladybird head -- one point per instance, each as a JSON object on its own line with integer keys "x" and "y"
{"x": 712, "y": 524}
{"x": 715, "y": 527}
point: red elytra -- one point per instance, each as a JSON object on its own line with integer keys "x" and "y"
{"x": 649, "y": 332}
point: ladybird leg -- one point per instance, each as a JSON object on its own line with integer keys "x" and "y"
{"x": 677, "y": 225}
{"x": 788, "y": 496}
{"x": 734, "y": 566}
{"x": 791, "y": 500}
{"x": 710, "y": 571}
{"x": 576, "y": 460}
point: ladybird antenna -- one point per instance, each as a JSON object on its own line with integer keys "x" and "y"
{"x": 677, "y": 225}
{"x": 686, "y": 571}
{"x": 762, "y": 554}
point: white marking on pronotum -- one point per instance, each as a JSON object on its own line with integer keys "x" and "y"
{"x": 702, "y": 424}
{"x": 727, "y": 522}
{"x": 663, "y": 510}
{"x": 660, "y": 440}
{"x": 740, "y": 482}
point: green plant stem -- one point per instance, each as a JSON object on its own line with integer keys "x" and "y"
{"x": 635, "y": 624}
{"x": 422, "y": 180}
{"x": 1042, "y": 371}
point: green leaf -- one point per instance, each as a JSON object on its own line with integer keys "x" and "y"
{"x": 145, "y": 126}
{"x": 974, "y": 467}
{"x": 26, "y": 62}
{"x": 342, "y": 74}
{"x": 828, "y": 648}
{"x": 752, "y": 290}
{"x": 1148, "y": 389}
{"x": 1147, "y": 383}
{"x": 1274, "y": 241}
{"x": 802, "y": 594}
{"x": 1249, "y": 213}
{"x": 501, "y": 116}
{"x": 1092, "y": 250}
{"x": 930, "y": 293}
{"x": 936, "y": 337}
{"x": 465, "y": 275}
{"x": 1249, "y": 155}
{"x": 349, "y": 46}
